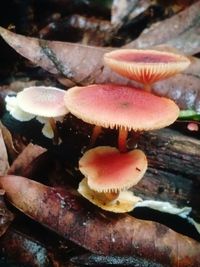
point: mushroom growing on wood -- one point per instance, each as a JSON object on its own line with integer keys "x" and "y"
{"x": 122, "y": 107}
{"x": 108, "y": 174}
{"x": 146, "y": 66}
{"x": 44, "y": 103}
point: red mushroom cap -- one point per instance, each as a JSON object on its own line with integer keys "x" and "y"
{"x": 109, "y": 170}
{"x": 42, "y": 101}
{"x": 117, "y": 106}
{"x": 145, "y": 66}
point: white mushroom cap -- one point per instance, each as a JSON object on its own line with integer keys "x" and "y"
{"x": 42, "y": 101}
{"x": 15, "y": 111}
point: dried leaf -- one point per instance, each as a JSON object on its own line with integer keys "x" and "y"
{"x": 12, "y": 152}
{"x": 4, "y": 165}
{"x": 100, "y": 232}
{"x": 180, "y": 31}
{"x": 83, "y": 64}
{"x": 25, "y": 158}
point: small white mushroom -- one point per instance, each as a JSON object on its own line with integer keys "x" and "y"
{"x": 44, "y": 103}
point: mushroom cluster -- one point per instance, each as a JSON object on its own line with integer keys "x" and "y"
{"x": 110, "y": 172}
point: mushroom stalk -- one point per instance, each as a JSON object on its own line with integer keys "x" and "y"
{"x": 95, "y": 133}
{"x": 122, "y": 137}
{"x": 109, "y": 196}
{"x": 147, "y": 87}
{"x": 52, "y": 122}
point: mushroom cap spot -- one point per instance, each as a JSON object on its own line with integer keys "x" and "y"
{"x": 125, "y": 202}
{"x": 145, "y": 66}
{"x": 42, "y": 101}
{"x": 114, "y": 106}
{"x": 108, "y": 170}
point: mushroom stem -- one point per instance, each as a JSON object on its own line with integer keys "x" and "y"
{"x": 95, "y": 133}
{"x": 147, "y": 87}
{"x": 123, "y": 133}
{"x": 108, "y": 197}
{"x": 52, "y": 122}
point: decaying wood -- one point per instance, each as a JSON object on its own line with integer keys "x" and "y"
{"x": 69, "y": 215}
{"x": 173, "y": 152}
{"x": 173, "y": 172}
{"x": 79, "y": 64}
{"x": 90, "y": 259}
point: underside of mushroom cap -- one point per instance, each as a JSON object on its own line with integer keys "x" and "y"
{"x": 42, "y": 101}
{"x": 125, "y": 201}
{"x": 108, "y": 170}
{"x": 145, "y": 66}
{"x": 115, "y": 106}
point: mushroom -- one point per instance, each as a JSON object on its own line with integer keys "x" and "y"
{"x": 123, "y": 107}
{"x": 146, "y": 66}
{"x": 44, "y": 103}
{"x": 124, "y": 202}
{"x": 108, "y": 174}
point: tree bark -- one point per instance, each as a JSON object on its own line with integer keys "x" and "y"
{"x": 173, "y": 169}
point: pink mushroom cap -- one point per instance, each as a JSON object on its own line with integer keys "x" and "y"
{"x": 115, "y": 106}
{"x": 42, "y": 101}
{"x": 107, "y": 170}
{"x": 145, "y": 66}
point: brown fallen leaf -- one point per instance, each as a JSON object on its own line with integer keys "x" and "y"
{"x": 100, "y": 232}
{"x": 180, "y": 31}
{"x": 8, "y": 139}
{"x": 4, "y": 165}
{"x": 79, "y": 64}
{"x": 25, "y": 158}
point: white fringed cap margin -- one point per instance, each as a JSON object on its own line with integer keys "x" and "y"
{"x": 145, "y": 66}
{"x": 116, "y": 106}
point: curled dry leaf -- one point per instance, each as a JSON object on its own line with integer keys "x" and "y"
{"x": 182, "y": 32}
{"x": 79, "y": 64}
{"x": 8, "y": 139}
{"x": 25, "y": 158}
{"x": 4, "y": 165}
{"x": 100, "y": 232}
